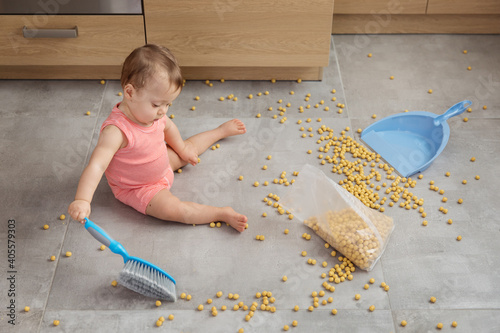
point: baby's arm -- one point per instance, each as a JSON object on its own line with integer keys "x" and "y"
{"x": 110, "y": 140}
{"x": 173, "y": 138}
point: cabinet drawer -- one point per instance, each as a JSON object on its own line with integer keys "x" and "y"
{"x": 380, "y": 6}
{"x": 242, "y": 33}
{"x": 463, "y": 7}
{"x": 101, "y": 40}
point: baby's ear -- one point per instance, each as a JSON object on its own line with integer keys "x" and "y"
{"x": 128, "y": 91}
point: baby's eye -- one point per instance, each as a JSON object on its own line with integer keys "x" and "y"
{"x": 156, "y": 106}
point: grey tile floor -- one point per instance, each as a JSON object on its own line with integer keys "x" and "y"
{"x": 46, "y": 139}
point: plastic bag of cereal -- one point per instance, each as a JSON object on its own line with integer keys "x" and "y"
{"x": 358, "y": 232}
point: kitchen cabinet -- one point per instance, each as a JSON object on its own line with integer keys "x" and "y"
{"x": 416, "y": 16}
{"x": 467, "y": 7}
{"x": 371, "y": 6}
{"x": 67, "y": 46}
{"x": 236, "y": 39}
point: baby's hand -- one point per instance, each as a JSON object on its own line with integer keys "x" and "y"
{"x": 79, "y": 210}
{"x": 189, "y": 154}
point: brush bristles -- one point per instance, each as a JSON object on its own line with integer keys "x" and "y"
{"x": 147, "y": 281}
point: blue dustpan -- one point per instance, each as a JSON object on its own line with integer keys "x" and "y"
{"x": 410, "y": 141}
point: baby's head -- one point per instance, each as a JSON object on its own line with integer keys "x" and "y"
{"x": 148, "y": 62}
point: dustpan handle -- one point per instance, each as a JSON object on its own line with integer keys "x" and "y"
{"x": 455, "y": 110}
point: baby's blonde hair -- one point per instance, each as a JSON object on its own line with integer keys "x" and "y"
{"x": 146, "y": 61}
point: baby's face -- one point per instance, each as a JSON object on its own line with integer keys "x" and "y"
{"x": 151, "y": 102}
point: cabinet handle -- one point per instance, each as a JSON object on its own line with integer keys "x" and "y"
{"x": 50, "y": 33}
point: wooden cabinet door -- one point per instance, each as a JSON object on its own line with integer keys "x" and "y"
{"x": 463, "y": 7}
{"x": 242, "y": 33}
{"x": 100, "y": 40}
{"x": 380, "y": 6}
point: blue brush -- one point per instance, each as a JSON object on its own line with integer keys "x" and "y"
{"x": 137, "y": 274}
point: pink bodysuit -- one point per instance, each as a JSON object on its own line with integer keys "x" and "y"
{"x": 140, "y": 170}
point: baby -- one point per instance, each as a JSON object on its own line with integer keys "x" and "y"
{"x": 131, "y": 149}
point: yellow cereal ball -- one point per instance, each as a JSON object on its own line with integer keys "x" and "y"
{"x": 433, "y": 299}
{"x": 403, "y": 323}
{"x": 26, "y": 309}
{"x": 366, "y": 286}
{"x": 286, "y": 231}
{"x": 45, "y": 227}
{"x": 114, "y": 283}
{"x": 369, "y": 55}
{"x": 158, "y": 303}
{"x": 469, "y": 68}
{"x": 56, "y": 322}
{"x": 256, "y": 183}
{"x": 386, "y": 288}
{"x": 62, "y": 217}
{"x": 477, "y": 177}
{"x": 286, "y": 328}
{"x": 460, "y": 200}
{"x": 52, "y": 258}
{"x": 284, "y": 278}
{"x": 465, "y": 51}
{"x": 374, "y": 116}
{"x": 334, "y": 311}
{"x": 241, "y": 330}
{"x": 459, "y": 238}
{"x": 258, "y": 115}
{"x": 292, "y": 92}
{"x": 439, "y": 325}
{"x": 172, "y": 116}
{"x": 424, "y": 223}
{"x": 188, "y": 297}
{"x": 197, "y": 98}
{"x": 371, "y": 308}
{"x": 372, "y": 281}
{"x": 294, "y": 323}
{"x": 240, "y": 178}
{"x": 87, "y": 113}
{"x": 484, "y": 107}
{"x": 290, "y": 216}
{"x": 200, "y": 307}
{"x": 69, "y": 254}
{"x": 430, "y": 91}
{"x": 357, "y": 297}
{"x": 464, "y": 181}
{"x": 171, "y": 317}
{"x": 209, "y": 301}
{"x": 102, "y": 248}
{"x": 159, "y": 323}
{"x": 454, "y": 324}
{"x": 296, "y": 308}
{"x": 472, "y": 159}
{"x": 391, "y": 77}
{"x": 264, "y": 214}
{"x": 250, "y": 96}
{"x": 236, "y": 296}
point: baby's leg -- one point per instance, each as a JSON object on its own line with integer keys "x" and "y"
{"x": 204, "y": 140}
{"x": 166, "y": 206}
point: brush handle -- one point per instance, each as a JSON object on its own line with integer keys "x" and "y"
{"x": 455, "y": 110}
{"x": 101, "y": 235}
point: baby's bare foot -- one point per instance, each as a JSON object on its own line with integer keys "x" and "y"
{"x": 234, "y": 219}
{"x": 232, "y": 127}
